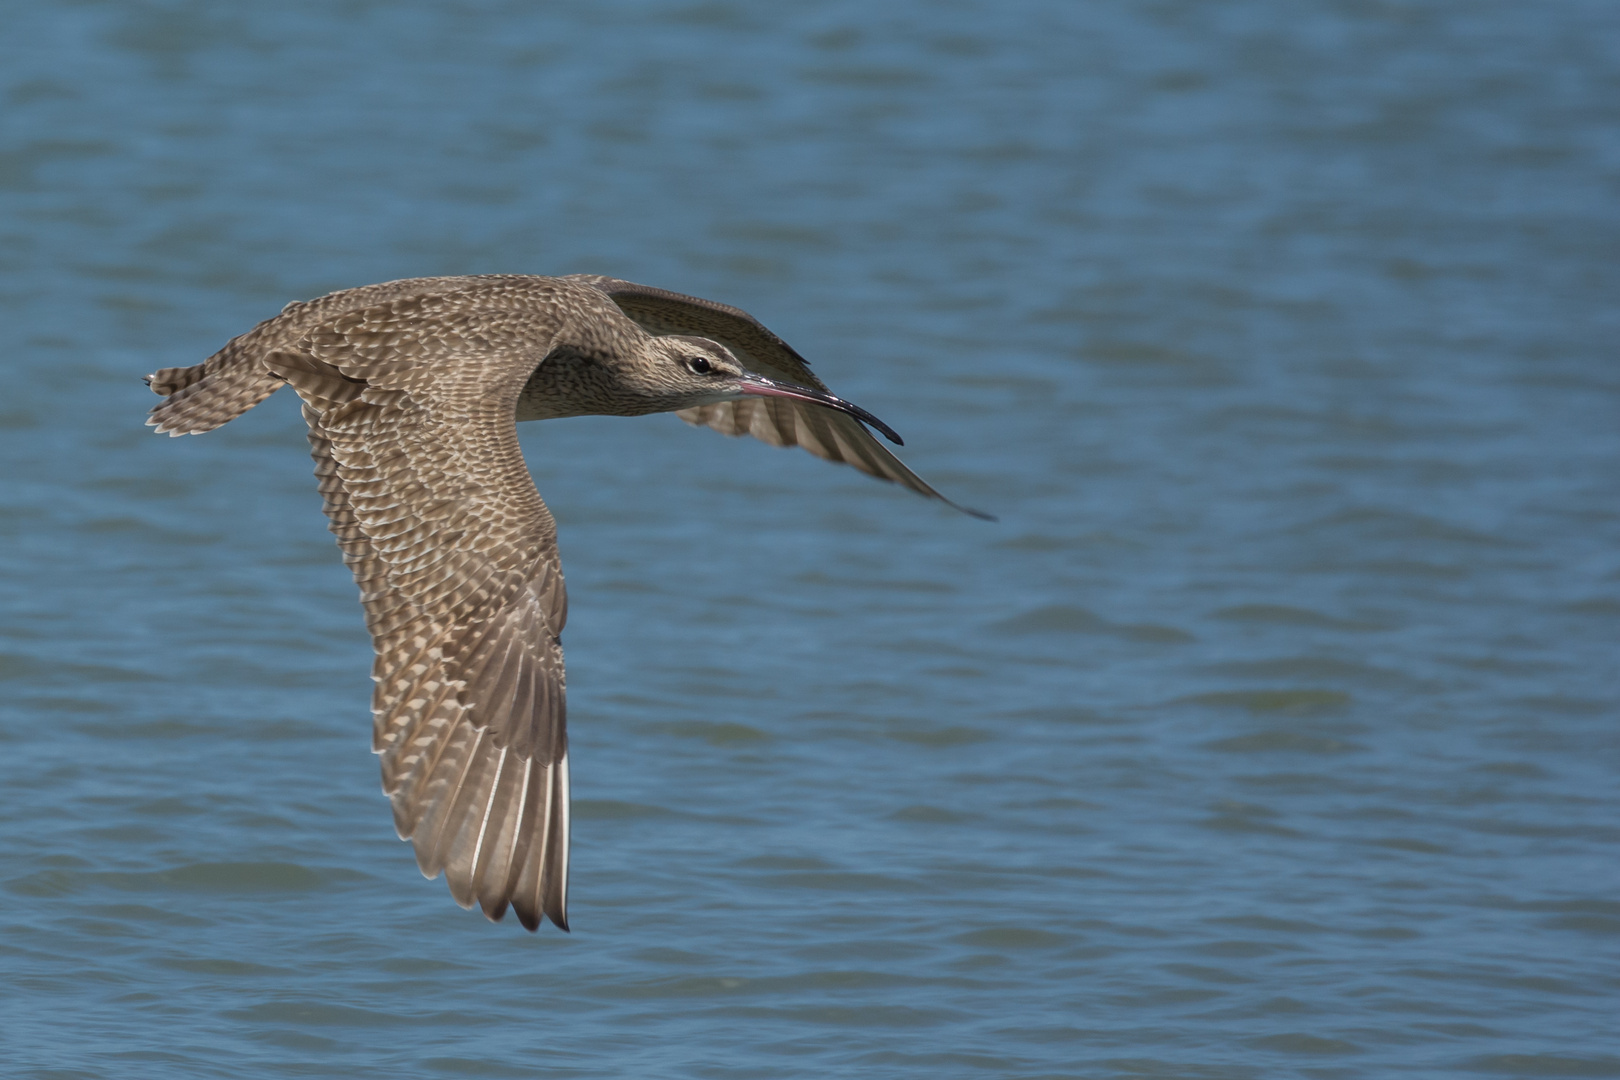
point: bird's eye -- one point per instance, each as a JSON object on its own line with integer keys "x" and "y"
{"x": 699, "y": 364}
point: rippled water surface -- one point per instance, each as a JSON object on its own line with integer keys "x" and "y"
{"x": 1271, "y": 731}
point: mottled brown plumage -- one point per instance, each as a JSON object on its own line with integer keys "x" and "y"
{"x": 411, "y": 390}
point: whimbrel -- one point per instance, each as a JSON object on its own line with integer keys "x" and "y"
{"x": 411, "y": 390}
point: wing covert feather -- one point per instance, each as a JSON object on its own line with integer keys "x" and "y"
{"x": 410, "y": 406}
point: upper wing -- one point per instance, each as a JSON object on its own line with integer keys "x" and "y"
{"x": 778, "y": 421}
{"x": 410, "y": 406}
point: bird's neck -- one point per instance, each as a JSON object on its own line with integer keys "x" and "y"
{"x": 571, "y": 386}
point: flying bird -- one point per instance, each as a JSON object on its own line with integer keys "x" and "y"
{"x": 412, "y": 390}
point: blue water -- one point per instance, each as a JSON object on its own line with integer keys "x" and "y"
{"x": 1271, "y": 732}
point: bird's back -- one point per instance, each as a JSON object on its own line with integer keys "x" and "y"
{"x": 234, "y": 379}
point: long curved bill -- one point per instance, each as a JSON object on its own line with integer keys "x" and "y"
{"x": 760, "y": 386}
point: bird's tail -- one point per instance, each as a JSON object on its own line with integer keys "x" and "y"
{"x": 202, "y": 397}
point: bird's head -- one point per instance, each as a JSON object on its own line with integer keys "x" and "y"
{"x": 621, "y": 375}
{"x": 686, "y": 372}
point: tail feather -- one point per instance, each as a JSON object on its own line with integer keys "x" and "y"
{"x": 208, "y": 398}
{"x": 171, "y": 380}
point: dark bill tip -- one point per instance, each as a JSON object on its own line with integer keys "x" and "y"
{"x": 760, "y": 386}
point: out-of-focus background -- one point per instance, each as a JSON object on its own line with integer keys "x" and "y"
{"x": 1271, "y": 732}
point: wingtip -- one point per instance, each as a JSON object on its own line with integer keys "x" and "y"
{"x": 531, "y": 919}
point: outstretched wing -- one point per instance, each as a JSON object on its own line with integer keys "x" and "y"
{"x": 831, "y": 435}
{"x": 410, "y": 406}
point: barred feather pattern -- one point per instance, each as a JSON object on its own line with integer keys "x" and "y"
{"x": 411, "y": 390}
{"x": 202, "y": 397}
{"x": 452, "y": 549}
{"x": 455, "y": 557}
